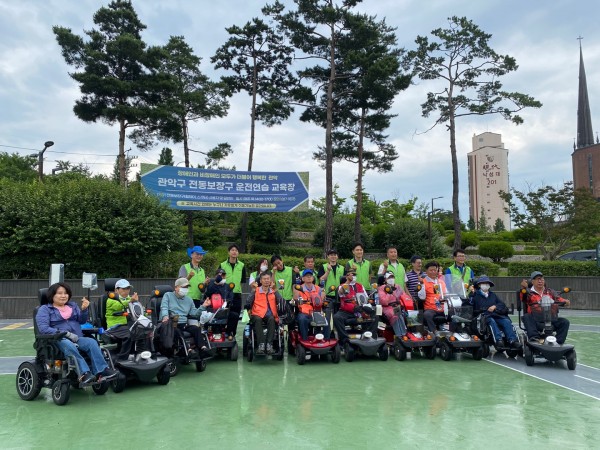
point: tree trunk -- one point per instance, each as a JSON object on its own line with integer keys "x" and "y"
{"x": 328, "y": 241}
{"x": 455, "y": 210}
{"x": 122, "y": 171}
{"x": 359, "y": 199}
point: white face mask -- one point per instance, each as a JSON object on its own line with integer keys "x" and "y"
{"x": 183, "y": 291}
{"x": 264, "y": 268}
{"x": 484, "y": 287}
{"x": 223, "y": 281}
{"x": 391, "y": 281}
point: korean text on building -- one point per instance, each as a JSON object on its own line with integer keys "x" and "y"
{"x": 223, "y": 190}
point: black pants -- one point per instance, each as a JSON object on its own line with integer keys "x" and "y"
{"x": 428, "y": 316}
{"x": 258, "y": 323}
{"x": 533, "y": 328}
{"x": 198, "y": 337}
{"x": 340, "y": 319}
{"x": 235, "y": 307}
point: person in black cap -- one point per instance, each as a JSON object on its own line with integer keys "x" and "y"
{"x": 533, "y": 319}
{"x": 495, "y": 312}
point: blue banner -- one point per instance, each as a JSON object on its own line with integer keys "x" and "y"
{"x": 226, "y": 190}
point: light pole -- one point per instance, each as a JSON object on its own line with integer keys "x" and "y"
{"x": 41, "y": 159}
{"x": 429, "y": 223}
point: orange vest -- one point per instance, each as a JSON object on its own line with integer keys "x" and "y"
{"x": 259, "y": 307}
{"x": 310, "y": 298}
{"x": 433, "y": 293}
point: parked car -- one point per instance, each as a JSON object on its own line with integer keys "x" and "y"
{"x": 579, "y": 255}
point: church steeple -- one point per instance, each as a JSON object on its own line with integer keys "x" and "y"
{"x": 585, "y": 134}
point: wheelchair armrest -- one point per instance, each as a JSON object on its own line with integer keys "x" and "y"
{"x": 119, "y": 313}
{"x": 51, "y": 337}
{"x": 87, "y": 332}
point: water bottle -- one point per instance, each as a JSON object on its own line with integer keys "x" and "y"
{"x": 247, "y": 331}
{"x": 438, "y": 305}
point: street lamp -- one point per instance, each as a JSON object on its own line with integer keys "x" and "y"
{"x": 430, "y": 219}
{"x": 57, "y": 169}
{"x": 41, "y": 159}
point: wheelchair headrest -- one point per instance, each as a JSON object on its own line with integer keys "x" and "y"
{"x": 43, "y": 296}
{"x": 161, "y": 289}
{"x": 109, "y": 284}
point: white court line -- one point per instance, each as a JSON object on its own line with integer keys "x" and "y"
{"x": 542, "y": 379}
{"x": 589, "y": 379}
{"x": 589, "y": 367}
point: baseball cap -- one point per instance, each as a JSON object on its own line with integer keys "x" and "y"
{"x": 182, "y": 282}
{"x": 307, "y": 272}
{"x": 122, "y": 283}
{"x": 536, "y": 274}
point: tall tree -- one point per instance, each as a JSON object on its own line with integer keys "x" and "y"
{"x": 482, "y": 225}
{"x": 17, "y": 168}
{"x": 166, "y": 157}
{"x": 369, "y": 69}
{"x": 468, "y": 72}
{"x": 259, "y": 59}
{"x": 111, "y": 70}
{"x": 315, "y": 27}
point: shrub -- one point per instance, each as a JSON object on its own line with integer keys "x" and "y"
{"x": 411, "y": 237}
{"x": 468, "y": 239}
{"x": 496, "y": 250}
{"x": 343, "y": 235}
{"x": 527, "y": 234}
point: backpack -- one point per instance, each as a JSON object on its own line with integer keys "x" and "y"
{"x": 165, "y": 338}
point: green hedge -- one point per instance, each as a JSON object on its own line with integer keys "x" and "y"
{"x": 554, "y": 268}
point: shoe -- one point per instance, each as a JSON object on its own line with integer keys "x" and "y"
{"x": 537, "y": 340}
{"x": 87, "y": 378}
{"x": 108, "y": 374}
{"x": 230, "y": 337}
{"x": 270, "y": 350}
{"x": 515, "y": 344}
{"x": 193, "y": 353}
{"x": 261, "y": 349}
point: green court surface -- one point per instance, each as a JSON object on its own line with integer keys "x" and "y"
{"x": 365, "y": 404}
{"x": 16, "y": 343}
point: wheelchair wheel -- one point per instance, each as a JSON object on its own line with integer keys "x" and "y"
{"x": 477, "y": 353}
{"x": 61, "y": 391}
{"x": 290, "y": 347}
{"x": 250, "y": 353}
{"x": 512, "y": 353}
{"x": 336, "y": 354}
{"x": 163, "y": 376}
{"x": 201, "y": 365}
{"x": 572, "y": 360}
{"x": 399, "y": 352}
{"x": 100, "y": 389}
{"x": 349, "y": 352}
{"x": 233, "y": 353}
{"x": 174, "y": 367}
{"x": 383, "y": 353}
{"x": 430, "y": 352}
{"x": 445, "y": 351}
{"x": 118, "y": 385}
{"x": 28, "y": 381}
{"x": 300, "y": 355}
{"x": 528, "y": 354}
{"x": 486, "y": 350}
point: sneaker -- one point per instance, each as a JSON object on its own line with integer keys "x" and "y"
{"x": 108, "y": 374}
{"x": 87, "y": 378}
{"x": 261, "y": 349}
{"x": 515, "y": 344}
{"x": 193, "y": 353}
{"x": 270, "y": 350}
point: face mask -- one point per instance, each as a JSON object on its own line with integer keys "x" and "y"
{"x": 391, "y": 281}
{"x": 218, "y": 279}
{"x": 264, "y": 268}
{"x": 484, "y": 287}
{"x": 183, "y": 291}
{"x": 223, "y": 280}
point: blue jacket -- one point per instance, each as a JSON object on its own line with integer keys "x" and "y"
{"x": 49, "y": 320}
{"x": 482, "y": 303}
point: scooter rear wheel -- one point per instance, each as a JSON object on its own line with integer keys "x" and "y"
{"x": 445, "y": 351}
{"x": 336, "y": 354}
{"x": 572, "y": 360}
{"x": 528, "y": 354}
{"x": 349, "y": 352}
{"x": 399, "y": 353}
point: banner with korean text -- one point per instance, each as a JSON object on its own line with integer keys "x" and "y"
{"x": 226, "y": 190}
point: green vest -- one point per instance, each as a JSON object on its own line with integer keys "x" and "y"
{"x": 363, "y": 272}
{"x": 234, "y": 274}
{"x": 199, "y": 277}
{"x": 459, "y": 277}
{"x": 113, "y": 306}
{"x": 399, "y": 273}
{"x": 333, "y": 279}
{"x": 288, "y": 276}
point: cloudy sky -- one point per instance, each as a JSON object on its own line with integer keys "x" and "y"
{"x": 37, "y": 95}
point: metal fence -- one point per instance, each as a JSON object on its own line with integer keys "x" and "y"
{"x": 18, "y": 298}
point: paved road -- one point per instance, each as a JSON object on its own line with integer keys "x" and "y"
{"x": 584, "y": 379}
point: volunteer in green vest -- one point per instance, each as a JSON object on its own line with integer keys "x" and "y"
{"x": 329, "y": 275}
{"x": 254, "y": 280}
{"x": 361, "y": 266}
{"x": 194, "y": 273}
{"x": 282, "y": 272}
{"x": 391, "y": 264}
{"x": 235, "y": 273}
{"x": 459, "y": 272}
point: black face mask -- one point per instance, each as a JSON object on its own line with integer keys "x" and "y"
{"x": 218, "y": 278}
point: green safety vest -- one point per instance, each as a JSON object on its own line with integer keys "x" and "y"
{"x": 363, "y": 272}
{"x": 234, "y": 274}
{"x": 457, "y": 276}
{"x": 288, "y": 276}
{"x": 333, "y": 279}
{"x": 399, "y": 273}
{"x": 199, "y": 277}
